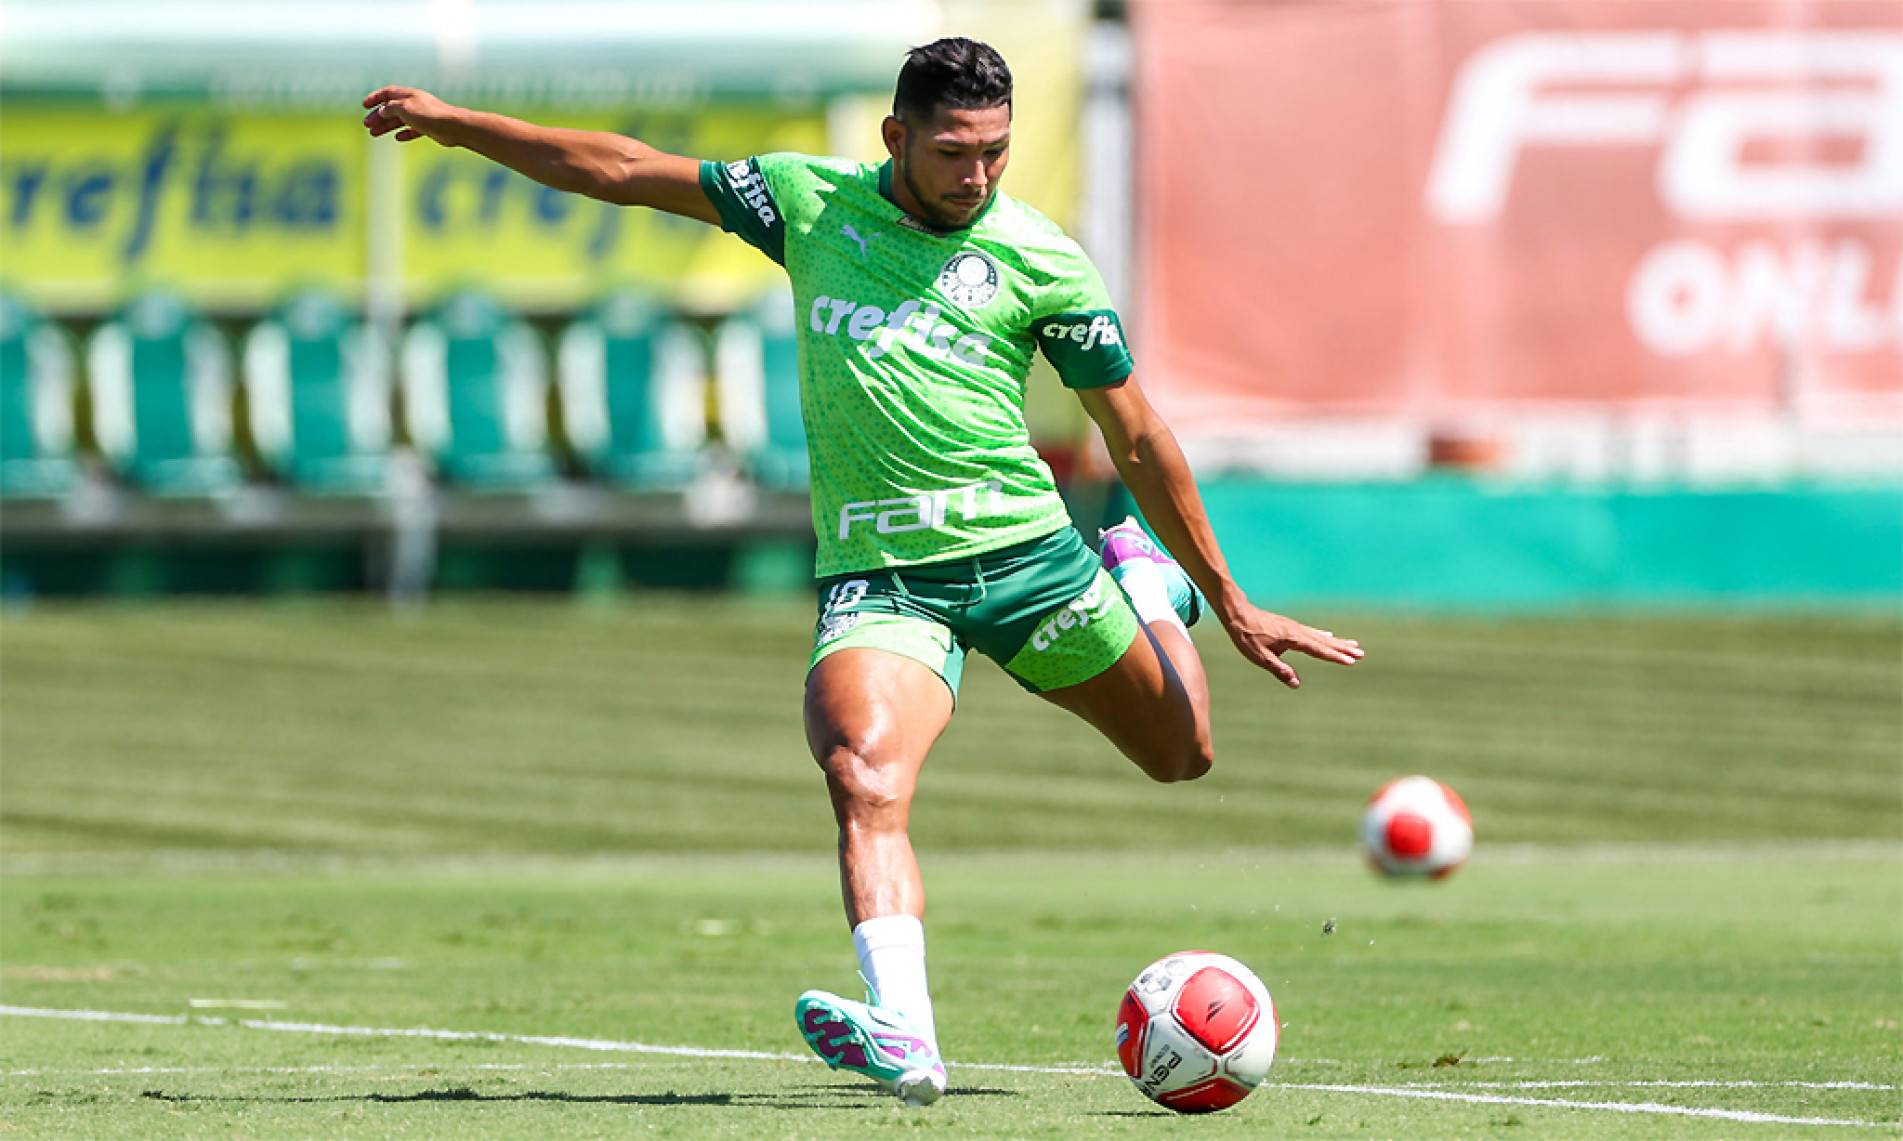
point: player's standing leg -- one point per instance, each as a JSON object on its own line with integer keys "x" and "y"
{"x": 871, "y": 719}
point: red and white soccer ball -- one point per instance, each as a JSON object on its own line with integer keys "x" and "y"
{"x": 1416, "y": 826}
{"x": 1196, "y": 1032}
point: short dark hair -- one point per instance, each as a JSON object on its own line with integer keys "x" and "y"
{"x": 953, "y": 72}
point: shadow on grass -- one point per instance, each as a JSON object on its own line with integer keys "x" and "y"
{"x": 814, "y": 1097}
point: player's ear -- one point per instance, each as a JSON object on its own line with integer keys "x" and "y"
{"x": 893, "y": 132}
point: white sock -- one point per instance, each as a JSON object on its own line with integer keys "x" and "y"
{"x": 892, "y": 957}
{"x": 1142, "y": 580}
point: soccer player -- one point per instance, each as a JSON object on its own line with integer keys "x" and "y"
{"x": 921, "y": 294}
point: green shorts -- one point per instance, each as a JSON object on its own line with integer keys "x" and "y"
{"x": 1045, "y": 610}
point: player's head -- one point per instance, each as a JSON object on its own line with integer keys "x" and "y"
{"x": 949, "y": 134}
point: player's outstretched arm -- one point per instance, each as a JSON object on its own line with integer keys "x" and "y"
{"x": 1153, "y": 468}
{"x": 599, "y": 164}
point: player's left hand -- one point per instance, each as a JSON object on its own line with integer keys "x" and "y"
{"x": 1264, "y": 637}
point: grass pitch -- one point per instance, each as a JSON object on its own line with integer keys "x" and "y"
{"x": 280, "y": 834}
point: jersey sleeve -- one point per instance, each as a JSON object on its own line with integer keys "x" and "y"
{"x": 744, "y": 197}
{"x": 1079, "y": 330}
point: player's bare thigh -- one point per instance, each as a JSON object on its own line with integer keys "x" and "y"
{"x": 871, "y": 718}
{"x": 1153, "y": 705}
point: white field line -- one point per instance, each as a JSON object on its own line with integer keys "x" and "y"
{"x": 492, "y": 1036}
{"x": 100, "y": 1016}
{"x": 1651, "y": 1085}
{"x": 1080, "y": 1069}
{"x": 404, "y": 1032}
{"x": 394, "y": 1067}
{"x": 1610, "y": 1106}
{"x": 1070, "y": 1068}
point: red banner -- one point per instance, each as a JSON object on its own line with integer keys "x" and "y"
{"x": 1434, "y": 206}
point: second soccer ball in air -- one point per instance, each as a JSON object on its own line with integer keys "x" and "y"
{"x": 1416, "y": 826}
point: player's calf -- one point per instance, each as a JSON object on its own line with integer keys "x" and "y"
{"x": 1154, "y": 712}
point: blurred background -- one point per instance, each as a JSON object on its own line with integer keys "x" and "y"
{"x": 1552, "y": 348}
{"x": 1453, "y": 302}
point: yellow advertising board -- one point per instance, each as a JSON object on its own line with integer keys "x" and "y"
{"x": 235, "y": 211}
{"x": 102, "y": 198}
{"x": 468, "y": 221}
{"x": 94, "y": 204}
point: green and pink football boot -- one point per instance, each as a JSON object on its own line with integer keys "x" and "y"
{"x": 870, "y": 1040}
{"x": 1128, "y": 542}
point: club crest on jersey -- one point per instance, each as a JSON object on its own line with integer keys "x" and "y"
{"x": 969, "y": 279}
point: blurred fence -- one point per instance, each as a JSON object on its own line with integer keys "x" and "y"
{"x": 1636, "y": 265}
{"x": 246, "y": 346}
{"x": 625, "y": 424}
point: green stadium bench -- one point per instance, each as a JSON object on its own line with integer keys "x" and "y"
{"x": 161, "y": 397}
{"x": 475, "y": 390}
{"x": 317, "y": 387}
{"x": 36, "y": 405}
{"x": 756, "y": 369}
{"x": 634, "y": 384}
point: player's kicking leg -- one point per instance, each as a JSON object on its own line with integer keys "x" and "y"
{"x": 871, "y": 718}
{"x": 1153, "y": 704}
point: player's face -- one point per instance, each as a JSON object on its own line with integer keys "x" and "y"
{"x": 949, "y": 168}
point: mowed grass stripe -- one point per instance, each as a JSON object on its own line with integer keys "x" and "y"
{"x": 1773, "y": 968}
{"x": 672, "y": 723}
{"x": 1654, "y": 744}
{"x": 1649, "y": 705}
{"x": 963, "y": 1066}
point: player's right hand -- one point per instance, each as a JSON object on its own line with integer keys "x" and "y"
{"x": 411, "y": 113}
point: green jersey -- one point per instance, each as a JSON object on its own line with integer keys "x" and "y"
{"x": 914, "y": 347}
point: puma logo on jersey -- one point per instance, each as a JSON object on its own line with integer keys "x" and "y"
{"x": 854, "y": 235}
{"x": 912, "y": 322}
